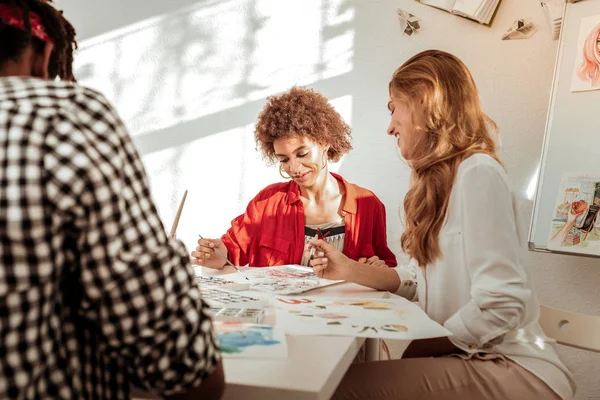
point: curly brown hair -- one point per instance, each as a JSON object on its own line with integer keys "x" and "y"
{"x": 302, "y": 112}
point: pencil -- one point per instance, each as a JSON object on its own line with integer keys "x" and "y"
{"x": 177, "y": 216}
{"x": 226, "y": 260}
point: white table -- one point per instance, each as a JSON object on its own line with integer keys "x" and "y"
{"x": 315, "y": 364}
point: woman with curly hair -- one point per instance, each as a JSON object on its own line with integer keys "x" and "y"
{"x": 302, "y": 132}
{"x": 461, "y": 234}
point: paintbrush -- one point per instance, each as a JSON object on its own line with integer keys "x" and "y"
{"x": 226, "y": 260}
{"x": 177, "y": 216}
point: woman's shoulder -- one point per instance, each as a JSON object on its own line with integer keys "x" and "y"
{"x": 482, "y": 167}
{"x": 358, "y": 192}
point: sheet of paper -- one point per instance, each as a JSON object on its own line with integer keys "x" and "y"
{"x": 468, "y": 8}
{"x": 520, "y": 29}
{"x": 408, "y": 22}
{"x": 248, "y": 340}
{"x": 395, "y": 318}
{"x": 575, "y": 226}
{"x": 285, "y": 279}
{"x": 443, "y": 4}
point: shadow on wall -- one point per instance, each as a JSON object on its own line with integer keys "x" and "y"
{"x": 189, "y": 86}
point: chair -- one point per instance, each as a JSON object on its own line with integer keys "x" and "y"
{"x": 571, "y": 329}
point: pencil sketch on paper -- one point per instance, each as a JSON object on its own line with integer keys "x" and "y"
{"x": 249, "y": 340}
{"x": 575, "y": 225}
{"x": 586, "y": 74}
{"x": 395, "y": 318}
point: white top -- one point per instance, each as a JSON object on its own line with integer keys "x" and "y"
{"x": 479, "y": 290}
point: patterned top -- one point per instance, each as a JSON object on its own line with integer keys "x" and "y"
{"x": 93, "y": 296}
{"x": 333, "y": 233}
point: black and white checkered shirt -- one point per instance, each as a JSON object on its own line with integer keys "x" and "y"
{"x": 93, "y": 296}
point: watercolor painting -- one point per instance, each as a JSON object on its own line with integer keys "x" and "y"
{"x": 285, "y": 279}
{"x": 394, "y": 318}
{"x": 586, "y": 74}
{"x": 575, "y": 226}
{"x": 249, "y": 340}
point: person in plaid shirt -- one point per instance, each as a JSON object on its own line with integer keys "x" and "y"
{"x": 94, "y": 297}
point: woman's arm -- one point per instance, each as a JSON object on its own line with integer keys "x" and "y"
{"x": 331, "y": 264}
{"x": 501, "y": 295}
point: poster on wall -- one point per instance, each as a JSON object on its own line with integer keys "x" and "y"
{"x": 586, "y": 73}
{"x": 575, "y": 226}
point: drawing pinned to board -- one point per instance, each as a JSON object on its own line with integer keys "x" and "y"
{"x": 248, "y": 340}
{"x": 586, "y": 74}
{"x": 575, "y": 224}
{"x": 395, "y": 318}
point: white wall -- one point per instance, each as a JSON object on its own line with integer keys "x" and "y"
{"x": 189, "y": 78}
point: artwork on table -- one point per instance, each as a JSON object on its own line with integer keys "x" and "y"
{"x": 216, "y": 282}
{"x": 575, "y": 225}
{"x": 394, "y": 318}
{"x": 230, "y": 314}
{"x": 586, "y": 73}
{"x": 285, "y": 279}
{"x": 220, "y": 298}
{"x": 248, "y": 340}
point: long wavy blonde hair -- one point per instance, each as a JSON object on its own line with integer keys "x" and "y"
{"x": 456, "y": 127}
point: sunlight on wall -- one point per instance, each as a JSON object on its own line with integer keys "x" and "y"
{"x": 205, "y": 59}
{"x": 189, "y": 86}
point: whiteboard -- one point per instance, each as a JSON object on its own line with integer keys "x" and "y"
{"x": 572, "y": 139}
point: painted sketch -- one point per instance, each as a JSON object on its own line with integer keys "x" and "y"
{"x": 285, "y": 279}
{"x": 575, "y": 224}
{"x": 394, "y": 318}
{"x": 586, "y": 75}
{"x": 248, "y": 340}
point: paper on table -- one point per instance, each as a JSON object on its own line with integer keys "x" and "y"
{"x": 395, "y": 318}
{"x": 284, "y": 279}
{"x": 248, "y": 340}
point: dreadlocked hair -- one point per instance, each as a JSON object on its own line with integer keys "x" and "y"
{"x": 14, "y": 41}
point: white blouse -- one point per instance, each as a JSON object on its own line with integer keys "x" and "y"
{"x": 479, "y": 290}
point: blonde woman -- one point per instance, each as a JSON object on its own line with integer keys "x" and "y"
{"x": 462, "y": 238}
{"x": 589, "y": 71}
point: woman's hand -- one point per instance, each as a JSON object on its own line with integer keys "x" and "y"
{"x": 328, "y": 262}
{"x": 205, "y": 255}
{"x": 373, "y": 261}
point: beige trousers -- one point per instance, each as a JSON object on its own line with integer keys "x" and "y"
{"x": 440, "y": 379}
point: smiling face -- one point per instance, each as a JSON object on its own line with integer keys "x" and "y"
{"x": 302, "y": 159}
{"x": 407, "y": 125}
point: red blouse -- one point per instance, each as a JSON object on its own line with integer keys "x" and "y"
{"x": 271, "y": 231}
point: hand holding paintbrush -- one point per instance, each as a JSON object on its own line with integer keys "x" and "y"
{"x": 203, "y": 254}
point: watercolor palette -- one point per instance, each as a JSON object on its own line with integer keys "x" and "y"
{"x": 216, "y": 282}
{"x": 238, "y": 314}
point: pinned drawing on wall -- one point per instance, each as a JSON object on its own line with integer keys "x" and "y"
{"x": 408, "y": 22}
{"x": 395, "y": 318}
{"x": 523, "y": 28}
{"x": 284, "y": 279}
{"x": 248, "y": 340}
{"x": 586, "y": 73}
{"x": 575, "y": 226}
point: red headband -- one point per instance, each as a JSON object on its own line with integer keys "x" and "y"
{"x": 14, "y": 18}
